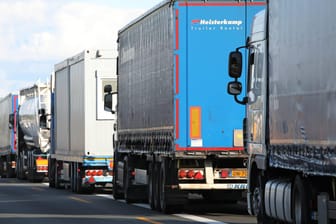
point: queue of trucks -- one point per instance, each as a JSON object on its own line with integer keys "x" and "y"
{"x": 154, "y": 119}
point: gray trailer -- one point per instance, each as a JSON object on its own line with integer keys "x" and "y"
{"x": 8, "y": 146}
{"x": 291, "y": 123}
{"x": 82, "y": 150}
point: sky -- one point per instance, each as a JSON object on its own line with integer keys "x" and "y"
{"x": 37, "y": 34}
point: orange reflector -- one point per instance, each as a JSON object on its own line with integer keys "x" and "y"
{"x": 111, "y": 164}
{"x": 239, "y": 173}
{"x": 195, "y": 122}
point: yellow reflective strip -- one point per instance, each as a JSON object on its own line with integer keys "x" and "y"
{"x": 195, "y": 122}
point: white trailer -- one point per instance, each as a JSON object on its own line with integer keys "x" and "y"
{"x": 82, "y": 149}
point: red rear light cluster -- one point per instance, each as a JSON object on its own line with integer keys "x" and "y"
{"x": 94, "y": 173}
{"x": 195, "y": 174}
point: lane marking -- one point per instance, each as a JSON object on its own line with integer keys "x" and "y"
{"x": 37, "y": 189}
{"x": 184, "y": 216}
{"x": 146, "y": 206}
{"x": 199, "y": 219}
{"x": 141, "y": 218}
{"x": 79, "y": 199}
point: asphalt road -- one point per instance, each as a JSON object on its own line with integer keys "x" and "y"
{"x": 36, "y": 203}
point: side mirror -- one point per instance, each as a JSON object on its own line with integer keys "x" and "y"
{"x": 11, "y": 121}
{"x": 234, "y": 88}
{"x": 41, "y": 112}
{"x": 235, "y": 64}
{"x": 107, "y": 89}
{"x": 108, "y": 102}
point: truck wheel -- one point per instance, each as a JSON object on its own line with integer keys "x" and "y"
{"x": 78, "y": 179}
{"x": 151, "y": 186}
{"x": 2, "y": 171}
{"x": 57, "y": 177}
{"x": 127, "y": 181}
{"x": 10, "y": 170}
{"x": 72, "y": 177}
{"x": 164, "y": 195}
{"x": 20, "y": 162}
{"x": 156, "y": 188}
{"x": 300, "y": 201}
{"x": 258, "y": 202}
{"x": 51, "y": 173}
{"x": 116, "y": 192}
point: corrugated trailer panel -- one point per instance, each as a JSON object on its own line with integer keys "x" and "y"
{"x": 146, "y": 72}
{"x": 302, "y": 85}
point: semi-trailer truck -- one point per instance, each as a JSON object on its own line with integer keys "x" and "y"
{"x": 82, "y": 151}
{"x": 8, "y": 147}
{"x": 178, "y": 132}
{"x": 33, "y": 132}
{"x": 290, "y": 120}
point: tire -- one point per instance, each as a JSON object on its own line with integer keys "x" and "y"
{"x": 258, "y": 201}
{"x": 78, "y": 178}
{"x": 57, "y": 178}
{"x": 72, "y": 177}
{"x": 156, "y": 186}
{"x": 116, "y": 193}
{"x": 51, "y": 173}
{"x": 151, "y": 186}
{"x": 127, "y": 181}
{"x": 301, "y": 201}
{"x": 164, "y": 194}
{"x": 19, "y": 163}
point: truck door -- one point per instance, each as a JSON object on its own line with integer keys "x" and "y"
{"x": 256, "y": 106}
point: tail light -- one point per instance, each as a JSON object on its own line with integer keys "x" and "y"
{"x": 182, "y": 174}
{"x": 192, "y": 174}
{"x": 94, "y": 173}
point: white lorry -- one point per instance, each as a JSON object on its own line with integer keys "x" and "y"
{"x": 82, "y": 149}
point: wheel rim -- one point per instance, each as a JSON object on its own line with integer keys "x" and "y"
{"x": 256, "y": 201}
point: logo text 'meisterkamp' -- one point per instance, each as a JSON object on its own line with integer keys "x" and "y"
{"x": 220, "y": 22}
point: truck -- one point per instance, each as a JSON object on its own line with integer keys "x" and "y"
{"x": 82, "y": 152}
{"x": 32, "y": 127}
{"x": 290, "y": 111}
{"x": 8, "y": 148}
{"x": 178, "y": 133}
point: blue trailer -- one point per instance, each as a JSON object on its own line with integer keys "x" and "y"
{"x": 178, "y": 131}
{"x": 8, "y": 146}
